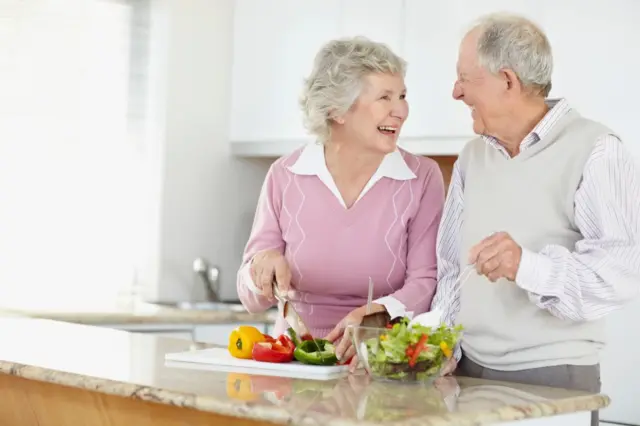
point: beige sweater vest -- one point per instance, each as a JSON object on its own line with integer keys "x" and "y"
{"x": 530, "y": 196}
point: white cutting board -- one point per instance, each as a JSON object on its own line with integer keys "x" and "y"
{"x": 219, "y": 359}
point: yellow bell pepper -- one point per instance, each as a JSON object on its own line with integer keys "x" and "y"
{"x": 445, "y": 349}
{"x": 242, "y": 339}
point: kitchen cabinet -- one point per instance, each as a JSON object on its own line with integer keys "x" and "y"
{"x": 598, "y": 50}
{"x": 275, "y": 43}
{"x": 379, "y": 20}
{"x": 274, "y": 46}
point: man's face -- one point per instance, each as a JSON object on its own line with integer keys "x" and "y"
{"x": 485, "y": 93}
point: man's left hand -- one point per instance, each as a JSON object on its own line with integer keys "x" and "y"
{"x": 497, "y": 256}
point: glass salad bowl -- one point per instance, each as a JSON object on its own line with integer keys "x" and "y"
{"x": 405, "y": 353}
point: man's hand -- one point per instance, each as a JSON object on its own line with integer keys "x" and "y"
{"x": 345, "y": 349}
{"x": 497, "y": 256}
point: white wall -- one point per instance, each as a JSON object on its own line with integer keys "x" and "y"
{"x": 207, "y": 198}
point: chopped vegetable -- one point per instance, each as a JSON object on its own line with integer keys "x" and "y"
{"x": 242, "y": 339}
{"x": 307, "y": 350}
{"x": 419, "y": 348}
{"x": 280, "y": 350}
{"x": 269, "y": 339}
{"x": 413, "y": 352}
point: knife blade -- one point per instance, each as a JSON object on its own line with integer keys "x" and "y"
{"x": 292, "y": 318}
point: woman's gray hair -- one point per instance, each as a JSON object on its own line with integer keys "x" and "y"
{"x": 516, "y": 43}
{"x": 337, "y": 79}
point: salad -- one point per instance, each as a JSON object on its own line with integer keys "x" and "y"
{"x": 410, "y": 352}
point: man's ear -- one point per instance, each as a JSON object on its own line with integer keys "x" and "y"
{"x": 511, "y": 80}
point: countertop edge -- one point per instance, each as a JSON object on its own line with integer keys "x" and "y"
{"x": 535, "y": 410}
{"x": 164, "y": 316}
{"x": 277, "y": 415}
{"x": 145, "y": 393}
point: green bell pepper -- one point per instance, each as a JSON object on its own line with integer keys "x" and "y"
{"x": 306, "y": 351}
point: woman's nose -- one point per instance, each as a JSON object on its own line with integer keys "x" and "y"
{"x": 400, "y": 110}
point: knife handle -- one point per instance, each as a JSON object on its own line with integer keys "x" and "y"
{"x": 276, "y": 291}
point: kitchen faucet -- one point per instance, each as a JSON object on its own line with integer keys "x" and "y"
{"x": 210, "y": 278}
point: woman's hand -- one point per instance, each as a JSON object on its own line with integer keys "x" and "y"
{"x": 344, "y": 349}
{"x": 449, "y": 367}
{"x": 265, "y": 266}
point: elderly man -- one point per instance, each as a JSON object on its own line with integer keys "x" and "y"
{"x": 540, "y": 234}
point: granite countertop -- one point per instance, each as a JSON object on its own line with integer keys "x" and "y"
{"x": 133, "y": 313}
{"x": 132, "y": 365}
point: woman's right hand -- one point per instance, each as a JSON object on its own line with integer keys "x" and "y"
{"x": 265, "y": 266}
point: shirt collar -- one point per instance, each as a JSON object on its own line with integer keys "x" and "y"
{"x": 312, "y": 162}
{"x": 558, "y": 107}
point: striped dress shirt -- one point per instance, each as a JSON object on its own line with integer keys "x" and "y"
{"x": 603, "y": 271}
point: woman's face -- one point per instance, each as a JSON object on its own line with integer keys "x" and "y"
{"x": 376, "y": 118}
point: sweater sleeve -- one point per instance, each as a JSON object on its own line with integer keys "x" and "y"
{"x": 265, "y": 234}
{"x": 601, "y": 274}
{"x": 421, "y": 275}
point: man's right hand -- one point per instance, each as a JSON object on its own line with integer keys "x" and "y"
{"x": 266, "y": 265}
{"x": 450, "y": 367}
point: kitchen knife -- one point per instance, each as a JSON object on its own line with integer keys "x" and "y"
{"x": 294, "y": 320}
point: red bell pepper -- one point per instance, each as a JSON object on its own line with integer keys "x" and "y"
{"x": 419, "y": 348}
{"x": 306, "y": 337}
{"x": 269, "y": 339}
{"x": 281, "y": 350}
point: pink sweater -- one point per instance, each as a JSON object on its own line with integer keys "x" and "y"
{"x": 389, "y": 235}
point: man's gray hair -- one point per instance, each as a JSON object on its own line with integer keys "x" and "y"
{"x": 337, "y": 79}
{"x": 516, "y": 43}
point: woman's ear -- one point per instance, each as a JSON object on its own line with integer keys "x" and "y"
{"x": 336, "y": 116}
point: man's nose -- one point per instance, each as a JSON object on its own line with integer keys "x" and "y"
{"x": 457, "y": 91}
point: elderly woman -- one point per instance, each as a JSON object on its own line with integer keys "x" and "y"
{"x": 349, "y": 207}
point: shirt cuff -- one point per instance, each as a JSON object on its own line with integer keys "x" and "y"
{"x": 246, "y": 278}
{"x": 534, "y": 273}
{"x": 457, "y": 352}
{"x": 394, "y": 307}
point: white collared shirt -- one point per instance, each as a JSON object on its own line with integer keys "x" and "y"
{"x": 312, "y": 163}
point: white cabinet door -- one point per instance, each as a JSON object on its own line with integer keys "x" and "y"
{"x": 379, "y": 20}
{"x": 596, "y": 49}
{"x": 274, "y": 47}
{"x": 433, "y": 32}
{"x": 218, "y": 334}
{"x": 275, "y": 42}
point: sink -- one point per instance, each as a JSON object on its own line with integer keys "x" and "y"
{"x": 203, "y": 306}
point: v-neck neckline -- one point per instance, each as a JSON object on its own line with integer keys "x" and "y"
{"x": 312, "y": 162}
